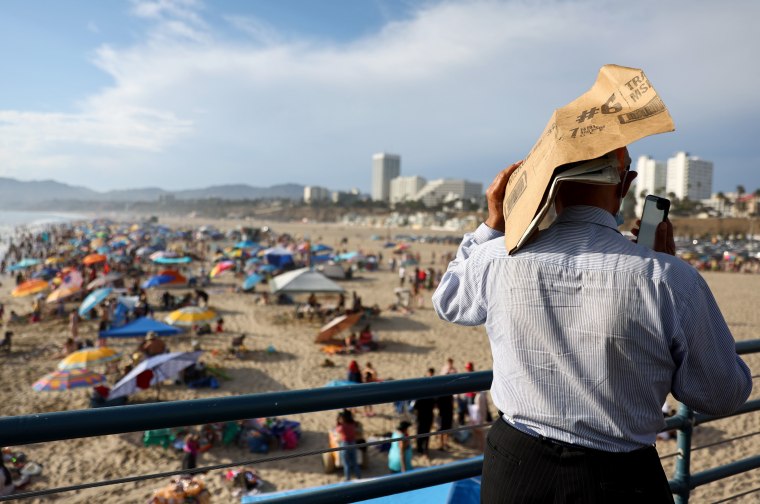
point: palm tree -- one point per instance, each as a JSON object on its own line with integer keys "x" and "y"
{"x": 740, "y": 205}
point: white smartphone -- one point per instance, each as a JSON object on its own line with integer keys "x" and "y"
{"x": 655, "y": 211}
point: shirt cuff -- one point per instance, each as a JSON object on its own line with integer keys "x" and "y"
{"x": 485, "y": 233}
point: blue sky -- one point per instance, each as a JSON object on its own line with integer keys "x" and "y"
{"x": 187, "y": 93}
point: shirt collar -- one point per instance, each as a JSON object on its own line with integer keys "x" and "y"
{"x": 590, "y": 214}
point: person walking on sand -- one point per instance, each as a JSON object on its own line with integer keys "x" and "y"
{"x": 74, "y": 325}
{"x": 346, "y": 430}
{"x": 191, "y": 448}
{"x": 423, "y": 411}
{"x": 601, "y": 330}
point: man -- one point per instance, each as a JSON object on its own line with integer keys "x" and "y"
{"x": 589, "y": 333}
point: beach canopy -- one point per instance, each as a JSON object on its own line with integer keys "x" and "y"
{"x": 68, "y": 379}
{"x": 153, "y": 370}
{"x": 190, "y": 315}
{"x": 93, "y": 299}
{"x": 88, "y": 358}
{"x": 304, "y": 280}
{"x": 141, "y": 327}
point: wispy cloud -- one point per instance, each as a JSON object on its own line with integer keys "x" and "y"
{"x": 458, "y": 88}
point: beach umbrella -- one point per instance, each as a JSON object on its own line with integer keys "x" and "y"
{"x": 62, "y": 293}
{"x": 252, "y": 262}
{"x": 94, "y": 259}
{"x": 23, "y": 264}
{"x": 162, "y": 253}
{"x": 45, "y": 273}
{"x": 157, "y": 280}
{"x": 336, "y": 326}
{"x": 266, "y": 268}
{"x": 71, "y": 278}
{"x": 350, "y": 257}
{"x": 93, "y": 299}
{"x": 176, "y": 276}
{"x": 251, "y": 282}
{"x": 221, "y": 267}
{"x": 68, "y": 379}
{"x": 30, "y": 287}
{"x": 190, "y": 316}
{"x": 173, "y": 260}
{"x": 104, "y": 280}
{"x": 162, "y": 367}
{"x": 88, "y": 358}
{"x": 320, "y": 247}
{"x": 54, "y": 260}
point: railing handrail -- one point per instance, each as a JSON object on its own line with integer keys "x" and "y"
{"x": 37, "y": 428}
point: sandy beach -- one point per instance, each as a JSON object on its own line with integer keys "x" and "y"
{"x": 412, "y": 343}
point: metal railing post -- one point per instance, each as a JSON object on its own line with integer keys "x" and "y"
{"x": 682, "y": 477}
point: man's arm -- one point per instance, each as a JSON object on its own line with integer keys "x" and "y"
{"x": 461, "y": 297}
{"x": 710, "y": 377}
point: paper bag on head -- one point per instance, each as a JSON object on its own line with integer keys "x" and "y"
{"x": 620, "y": 108}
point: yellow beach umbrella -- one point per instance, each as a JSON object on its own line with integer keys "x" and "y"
{"x": 54, "y": 260}
{"x": 190, "y": 316}
{"x": 88, "y": 358}
{"x": 30, "y": 287}
{"x": 62, "y": 293}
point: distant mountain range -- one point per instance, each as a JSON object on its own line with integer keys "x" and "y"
{"x": 16, "y": 192}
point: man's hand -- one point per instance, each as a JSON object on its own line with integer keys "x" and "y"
{"x": 663, "y": 237}
{"x": 495, "y": 198}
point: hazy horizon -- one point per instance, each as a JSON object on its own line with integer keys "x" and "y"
{"x": 183, "y": 94}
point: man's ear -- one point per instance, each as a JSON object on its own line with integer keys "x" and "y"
{"x": 631, "y": 176}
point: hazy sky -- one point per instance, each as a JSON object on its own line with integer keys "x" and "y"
{"x": 186, "y": 93}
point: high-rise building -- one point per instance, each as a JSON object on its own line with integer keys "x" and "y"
{"x": 689, "y": 177}
{"x": 385, "y": 167}
{"x": 405, "y": 188}
{"x": 651, "y": 180}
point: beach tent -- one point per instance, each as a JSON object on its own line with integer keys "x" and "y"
{"x": 141, "y": 327}
{"x": 303, "y": 281}
{"x": 278, "y": 256}
{"x": 335, "y": 271}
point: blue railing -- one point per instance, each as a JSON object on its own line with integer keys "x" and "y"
{"x": 44, "y": 427}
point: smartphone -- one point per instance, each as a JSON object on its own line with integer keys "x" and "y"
{"x": 655, "y": 211}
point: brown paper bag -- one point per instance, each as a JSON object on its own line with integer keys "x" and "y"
{"x": 620, "y": 108}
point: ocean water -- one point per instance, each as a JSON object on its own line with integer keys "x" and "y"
{"x": 10, "y": 220}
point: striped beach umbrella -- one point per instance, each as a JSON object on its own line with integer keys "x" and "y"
{"x": 88, "y": 358}
{"x": 30, "y": 287}
{"x": 68, "y": 379}
{"x": 190, "y": 316}
{"x": 221, "y": 267}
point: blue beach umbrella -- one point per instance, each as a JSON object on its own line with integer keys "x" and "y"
{"x": 157, "y": 280}
{"x": 23, "y": 264}
{"x": 93, "y": 299}
{"x": 45, "y": 273}
{"x": 267, "y": 268}
{"x": 251, "y": 282}
{"x": 247, "y": 244}
{"x": 320, "y": 247}
{"x": 172, "y": 260}
{"x": 252, "y": 262}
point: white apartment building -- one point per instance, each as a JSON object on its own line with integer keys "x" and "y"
{"x": 312, "y": 194}
{"x": 689, "y": 177}
{"x": 406, "y": 188}
{"x": 651, "y": 180}
{"x": 385, "y": 167}
{"x": 444, "y": 190}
